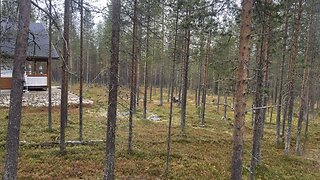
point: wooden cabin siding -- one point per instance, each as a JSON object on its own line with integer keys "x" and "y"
{"x": 5, "y": 83}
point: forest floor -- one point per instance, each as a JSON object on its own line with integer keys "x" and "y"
{"x": 203, "y": 153}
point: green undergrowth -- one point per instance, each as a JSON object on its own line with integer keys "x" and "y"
{"x": 200, "y": 153}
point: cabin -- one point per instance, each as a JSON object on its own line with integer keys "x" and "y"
{"x": 36, "y": 67}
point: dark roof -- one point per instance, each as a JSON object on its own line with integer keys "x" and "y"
{"x": 38, "y": 48}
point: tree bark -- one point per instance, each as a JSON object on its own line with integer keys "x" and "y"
{"x": 49, "y": 70}
{"x": 304, "y": 87}
{"x": 13, "y": 132}
{"x": 291, "y": 70}
{"x": 241, "y": 88}
{"x": 185, "y": 76}
{"x": 81, "y": 75}
{"x": 172, "y": 79}
{"x": 133, "y": 78}
{"x": 282, "y": 69}
{"x": 146, "y": 66}
{"x": 261, "y": 95}
{"x": 162, "y": 59}
{"x": 64, "y": 77}
{"x": 218, "y": 101}
{"x": 113, "y": 92}
{"x": 198, "y": 92}
{"x": 205, "y": 82}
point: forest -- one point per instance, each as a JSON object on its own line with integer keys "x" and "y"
{"x": 159, "y": 89}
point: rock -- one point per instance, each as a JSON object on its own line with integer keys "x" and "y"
{"x": 123, "y": 114}
{"x": 154, "y": 117}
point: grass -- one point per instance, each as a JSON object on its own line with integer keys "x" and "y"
{"x": 204, "y": 153}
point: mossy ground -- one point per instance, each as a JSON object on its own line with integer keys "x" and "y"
{"x": 203, "y": 153}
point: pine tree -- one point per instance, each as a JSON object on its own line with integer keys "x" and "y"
{"x": 14, "y": 121}
{"x": 113, "y": 92}
{"x": 241, "y": 88}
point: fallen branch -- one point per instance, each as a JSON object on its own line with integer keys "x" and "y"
{"x": 55, "y": 143}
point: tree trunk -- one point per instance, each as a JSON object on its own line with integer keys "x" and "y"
{"x": 241, "y": 88}
{"x": 162, "y": 59}
{"x": 200, "y": 69}
{"x": 185, "y": 76}
{"x": 169, "y": 89}
{"x": 291, "y": 69}
{"x": 274, "y": 95}
{"x": 205, "y": 82}
{"x": 81, "y": 75}
{"x": 261, "y": 96}
{"x": 282, "y": 69}
{"x": 172, "y": 98}
{"x": 307, "y": 109}
{"x": 225, "y": 106}
{"x": 1, "y": 36}
{"x": 151, "y": 75}
{"x": 12, "y": 140}
{"x": 64, "y": 77}
{"x": 133, "y": 75}
{"x": 146, "y": 67}
{"x": 284, "y": 117}
{"x": 218, "y": 101}
{"x": 304, "y": 87}
{"x": 113, "y": 92}
{"x": 49, "y": 70}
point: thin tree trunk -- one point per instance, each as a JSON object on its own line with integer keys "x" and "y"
{"x": 252, "y": 114}
{"x": 291, "y": 69}
{"x": 307, "y": 111}
{"x": 274, "y": 96}
{"x": 205, "y": 82}
{"x": 266, "y": 62}
{"x": 225, "y": 106}
{"x": 113, "y": 92}
{"x": 218, "y": 103}
{"x": 261, "y": 85}
{"x": 304, "y": 87}
{"x": 150, "y": 80}
{"x": 146, "y": 66}
{"x": 161, "y": 85}
{"x": 162, "y": 59}
{"x": 185, "y": 77}
{"x": 182, "y": 60}
{"x": 172, "y": 98}
{"x": 310, "y": 94}
{"x": 169, "y": 89}
{"x": 133, "y": 79}
{"x": 196, "y": 96}
{"x": 81, "y": 75}
{"x": 284, "y": 51}
{"x": 200, "y": 69}
{"x": 1, "y": 36}
{"x": 49, "y": 70}
{"x": 64, "y": 77}
{"x": 87, "y": 65}
{"x": 284, "y": 117}
{"x": 137, "y": 66}
{"x": 241, "y": 87}
{"x": 12, "y": 140}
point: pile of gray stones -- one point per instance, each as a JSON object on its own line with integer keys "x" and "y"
{"x": 40, "y": 98}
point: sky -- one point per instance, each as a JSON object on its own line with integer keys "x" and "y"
{"x": 100, "y": 4}
{"x": 103, "y": 3}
